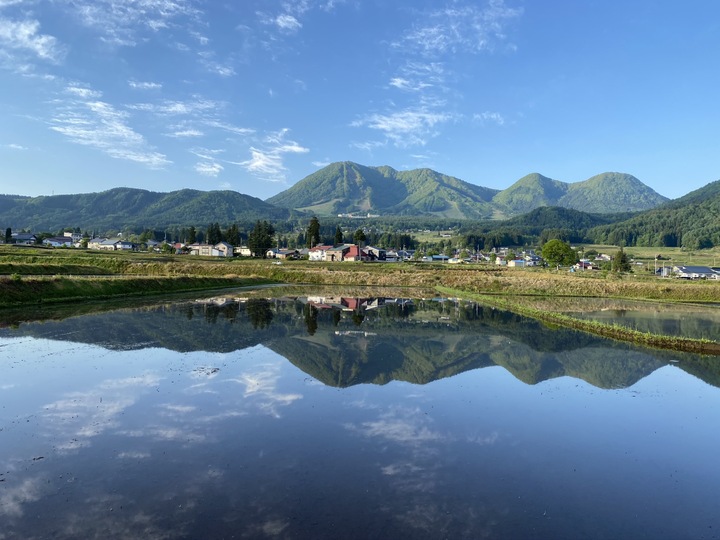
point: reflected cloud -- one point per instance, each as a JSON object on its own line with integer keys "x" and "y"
{"x": 12, "y": 499}
{"x": 80, "y": 416}
{"x": 402, "y": 425}
{"x": 261, "y": 386}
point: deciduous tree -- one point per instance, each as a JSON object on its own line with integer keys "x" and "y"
{"x": 559, "y": 253}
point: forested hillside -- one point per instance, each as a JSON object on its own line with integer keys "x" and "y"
{"x": 692, "y": 221}
{"x": 126, "y": 207}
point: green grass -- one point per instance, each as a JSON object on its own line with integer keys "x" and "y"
{"x": 613, "y": 331}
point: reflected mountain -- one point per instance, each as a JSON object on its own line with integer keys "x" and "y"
{"x": 343, "y": 341}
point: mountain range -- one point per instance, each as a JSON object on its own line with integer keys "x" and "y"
{"x": 612, "y": 208}
{"x": 350, "y": 188}
{"x": 122, "y": 208}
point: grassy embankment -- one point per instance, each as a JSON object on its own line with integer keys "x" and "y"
{"x": 33, "y": 276}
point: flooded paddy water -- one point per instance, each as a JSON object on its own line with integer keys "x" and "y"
{"x": 325, "y": 416}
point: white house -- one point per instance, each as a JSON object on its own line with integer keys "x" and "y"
{"x": 58, "y": 241}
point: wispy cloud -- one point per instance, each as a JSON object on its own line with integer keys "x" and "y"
{"x": 408, "y": 127}
{"x": 423, "y": 75}
{"x": 13, "y": 146}
{"x": 289, "y": 18}
{"x": 267, "y": 161}
{"x": 24, "y": 38}
{"x": 237, "y": 130}
{"x": 186, "y": 133}
{"x": 458, "y": 27}
{"x": 139, "y": 85}
{"x": 120, "y": 21}
{"x": 84, "y": 119}
{"x": 490, "y": 117}
{"x": 287, "y": 22}
{"x": 178, "y": 108}
{"x": 209, "y": 164}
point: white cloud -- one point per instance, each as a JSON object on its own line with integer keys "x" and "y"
{"x": 208, "y": 168}
{"x": 409, "y": 127}
{"x": 460, "y": 27}
{"x": 287, "y": 22}
{"x": 7, "y": 3}
{"x": 268, "y": 162}
{"x": 13, "y": 146}
{"x": 120, "y": 21}
{"x": 219, "y": 69}
{"x": 209, "y": 165}
{"x": 185, "y": 133}
{"x": 177, "y": 108}
{"x": 489, "y": 116}
{"x": 138, "y": 85}
{"x": 24, "y": 37}
{"x": 321, "y": 163}
{"x": 228, "y": 127}
{"x": 86, "y": 120}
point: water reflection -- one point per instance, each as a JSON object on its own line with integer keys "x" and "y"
{"x": 192, "y": 420}
{"x": 343, "y": 341}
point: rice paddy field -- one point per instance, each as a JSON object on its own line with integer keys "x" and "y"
{"x": 36, "y": 276}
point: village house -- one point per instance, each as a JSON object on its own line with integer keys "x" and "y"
{"x": 111, "y": 244}
{"x": 26, "y": 239}
{"x": 221, "y": 249}
{"x": 694, "y": 272}
{"x": 75, "y": 237}
{"x": 318, "y": 253}
{"x": 58, "y": 241}
{"x": 282, "y": 253}
{"x": 376, "y": 254}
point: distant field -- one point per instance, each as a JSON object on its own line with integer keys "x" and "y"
{"x": 670, "y": 256}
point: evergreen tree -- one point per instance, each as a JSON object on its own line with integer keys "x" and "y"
{"x": 232, "y": 236}
{"x": 620, "y": 262}
{"x": 214, "y": 234}
{"x": 313, "y": 232}
{"x": 191, "y": 235}
{"x": 260, "y": 238}
{"x": 359, "y": 236}
{"x": 338, "y": 235}
{"x": 8, "y": 235}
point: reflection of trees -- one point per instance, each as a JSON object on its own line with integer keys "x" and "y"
{"x": 358, "y": 317}
{"x": 211, "y": 314}
{"x": 311, "y": 314}
{"x": 337, "y": 316}
{"x": 259, "y": 313}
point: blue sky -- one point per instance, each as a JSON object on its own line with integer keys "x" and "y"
{"x": 254, "y": 95}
